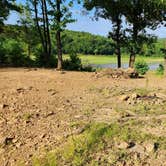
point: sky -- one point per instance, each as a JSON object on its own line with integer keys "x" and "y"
{"x": 86, "y": 24}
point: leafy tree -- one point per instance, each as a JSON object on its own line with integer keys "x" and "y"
{"x": 40, "y": 8}
{"x": 60, "y": 16}
{"x": 5, "y": 7}
{"x": 112, "y": 10}
{"x": 142, "y": 14}
{"x": 86, "y": 43}
{"x": 28, "y": 35}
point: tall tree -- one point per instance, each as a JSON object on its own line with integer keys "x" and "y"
{"x": 5, "y": 7}
{"x": 60, "y": 15}
{"x": 111, "y": 10}
{"x": 142, "y": 14}
{"x": 40, "y": 8}
{"x": 26, "y": 21}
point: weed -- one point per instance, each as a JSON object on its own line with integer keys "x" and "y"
{"x": 27, "y": 116}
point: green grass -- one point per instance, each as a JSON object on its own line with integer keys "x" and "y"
{"x": 82, "y": 149}
{"x": 103, "y": 59}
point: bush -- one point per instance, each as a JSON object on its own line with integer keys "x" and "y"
{"x": 2, "y": 55}
{"x": 160, "y": 70}
{"x": 74, "y": 63}
{"x": 13, "y": 54}
{"x": 141, "y": 67}
{"x": 40, "y": 61}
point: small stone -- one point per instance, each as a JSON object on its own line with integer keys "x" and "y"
{"x": 149, "y": 147}
{"x": 18, "y": 145}
{"x": 2, "y": 151}
{"x": 49, "y": 114}
{"x": 138, "y": 149}
{"x": 42, "y": 135}
{"x": 124, "y": 97}
{"x": 6, "y": 141}
{"x": 2, "y": 106}
{"x": 78, "y": 116}
{"x": 160, "y": 95}
{"x": 130, "y": 113}
{"x": 123, "y": 145}
{"x": 135, "y": 96}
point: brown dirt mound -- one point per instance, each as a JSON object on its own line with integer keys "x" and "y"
{"x": 118, "y": 73}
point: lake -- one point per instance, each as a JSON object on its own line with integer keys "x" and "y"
{"x": 152, "y": 66}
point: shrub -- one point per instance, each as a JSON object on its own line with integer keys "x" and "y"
{"x": 141, "y": 67}
{"x": 88, "y": 68}
{"x": 2, "y": 55}
{"x": 40, "y": 61}
{"x": 13, "y": 54}
{"x": 73, "y": 63}
{"x": 160, "y": 70}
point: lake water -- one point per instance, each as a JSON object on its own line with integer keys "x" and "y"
{"x": 152, "y": 66}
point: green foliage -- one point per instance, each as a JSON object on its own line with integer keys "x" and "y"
{"x": 141, "y": 67}
{"x": 73, "y": 63}
{"x": 97, "y": 137}
{"x": 13, "y": 54}
{"x": 39, "y": 58}
{"x": 160, "y": 70}
{"x": 81, "y": 42}
{"x": 86, "y": 43}
{"x": 5, "y": 7}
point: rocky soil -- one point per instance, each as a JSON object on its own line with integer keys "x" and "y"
{"x": 38, "y": 108}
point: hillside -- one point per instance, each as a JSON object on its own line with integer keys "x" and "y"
{"x": 80, "y": 42}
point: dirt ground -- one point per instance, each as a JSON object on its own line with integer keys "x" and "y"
{"x": 38, "y": 106}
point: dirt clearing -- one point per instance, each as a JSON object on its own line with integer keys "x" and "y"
{"x": 40, "y": 110}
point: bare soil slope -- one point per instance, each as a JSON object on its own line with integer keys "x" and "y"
{"x": 38, "y": 108}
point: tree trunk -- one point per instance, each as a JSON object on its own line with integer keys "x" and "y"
{"x": 132, "y": 60}
{"x": 118, "y": 42}
{"x": 119, "y": 57}
{"x": 37, "y": 23}
{"x": 165, "y": 66}
{"x": 135, "y": 40}
{"x": 59, "y": 50}
{"x": 48, "y": 30}
{"x": 44, "y": 30}
{"x": 58, "y": 36}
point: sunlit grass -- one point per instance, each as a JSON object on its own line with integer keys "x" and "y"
{"x": 103, "y": 59}
{"x": 97, "y": 137}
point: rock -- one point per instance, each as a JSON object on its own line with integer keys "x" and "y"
{"x": 149, "y": 147}
{"x": 49, "y": 114}
{"x": 77, "y": 116}
{"x": 18, "y": 145}
{"x": 124, "y": 97}
{"x": 135, "y": 96}
{"x": 130, "y": 113}
{"x": 2, "y": 151}
{"x": 20, "y": 90}
{"x": 2, "y": 106}
{"x": 160, "y": 95}
{"x": 123, "y": 145}
{"x": 138, "y": 149}
{"x": 131, "y": 73}
{"x": 6, "y": 141}
{"x": 43, "y": 135}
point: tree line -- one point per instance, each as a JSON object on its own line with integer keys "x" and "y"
{"x": 43, "y": 23}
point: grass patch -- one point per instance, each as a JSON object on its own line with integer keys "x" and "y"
{"x": 103, "y": 59}
{"x": 97, "y": 138}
